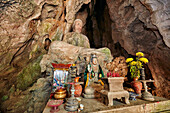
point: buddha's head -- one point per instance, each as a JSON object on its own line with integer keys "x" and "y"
{"x": 77, "y": 26}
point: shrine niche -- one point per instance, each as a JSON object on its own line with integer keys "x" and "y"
{"x": 114, "y": 29}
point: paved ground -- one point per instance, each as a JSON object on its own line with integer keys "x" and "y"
{"x": 93, "y": 105}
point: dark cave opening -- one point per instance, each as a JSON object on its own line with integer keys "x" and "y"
{"x": 99, "y": 29}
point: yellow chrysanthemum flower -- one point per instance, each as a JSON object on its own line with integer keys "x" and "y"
{"x": 139, "y": 54}
{"x": 133, "y": 63}
{"x": 145, "y": 60}
{"x": 139, "y": 63}
{"x": 129, "y": 60}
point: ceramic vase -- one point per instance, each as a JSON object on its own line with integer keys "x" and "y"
{"x": 78, "y": 90}
{"x": 137, "y": 87}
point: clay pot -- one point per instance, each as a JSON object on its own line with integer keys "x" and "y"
{"x": 78, "y": 90}
{"x": 137, "y": 86}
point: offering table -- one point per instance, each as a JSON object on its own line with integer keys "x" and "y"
{"x": 113, "y": 88}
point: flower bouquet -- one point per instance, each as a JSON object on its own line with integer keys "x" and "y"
{"x": 136, "y": 65}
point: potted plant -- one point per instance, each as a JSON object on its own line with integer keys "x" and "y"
{"x": 136, "y": 65}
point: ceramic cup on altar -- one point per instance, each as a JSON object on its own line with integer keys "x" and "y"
{"x": 81, "y": 106}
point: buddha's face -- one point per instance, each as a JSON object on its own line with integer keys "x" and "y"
{"x": 78, "y": 26}
{"x": 94, "y": 61}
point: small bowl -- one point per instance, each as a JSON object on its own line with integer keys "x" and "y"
{"x": 54, "y": 103}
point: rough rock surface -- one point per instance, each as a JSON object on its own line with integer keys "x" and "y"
{"x": 32, "y": 100}
{"x": 62, "y": 52}
{"x": 135, "y": 26}
{"x": 23, "y": 28}
{"x": 160, "y": 16}
{"x": 72, "y": 7}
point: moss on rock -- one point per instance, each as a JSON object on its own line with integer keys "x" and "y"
{"x": 57, "y": 35}
{"x": 45, "y": 27}
{"x": 106, "y": 51}
{"x": 5, "y": 97}
{"x": 29, "y": 74}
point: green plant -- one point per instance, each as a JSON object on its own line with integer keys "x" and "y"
{"x": 5, "y": 97}
{"x": 136, "y": 65}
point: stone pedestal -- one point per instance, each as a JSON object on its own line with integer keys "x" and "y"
{"x": 146, "y": 95}
{"x": 89, "y": 92}
{"x": 113, "y": 89}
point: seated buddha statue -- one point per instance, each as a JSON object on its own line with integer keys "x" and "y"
{"x": 76, "y": 38}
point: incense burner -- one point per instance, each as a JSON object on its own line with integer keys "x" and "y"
{"x": 60, "y": 93}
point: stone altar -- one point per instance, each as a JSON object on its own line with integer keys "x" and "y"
{"x": 113, "y": 89}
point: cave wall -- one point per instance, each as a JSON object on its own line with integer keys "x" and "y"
{"x": 127, "y": 27}
{"x": 137, "y": 31}
{"x": 124, "y": 26}
{"x": 24, "y": 25}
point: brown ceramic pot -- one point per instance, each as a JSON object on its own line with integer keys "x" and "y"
{"x": 78, "y": 90}
{"x": 137, "y": 86}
